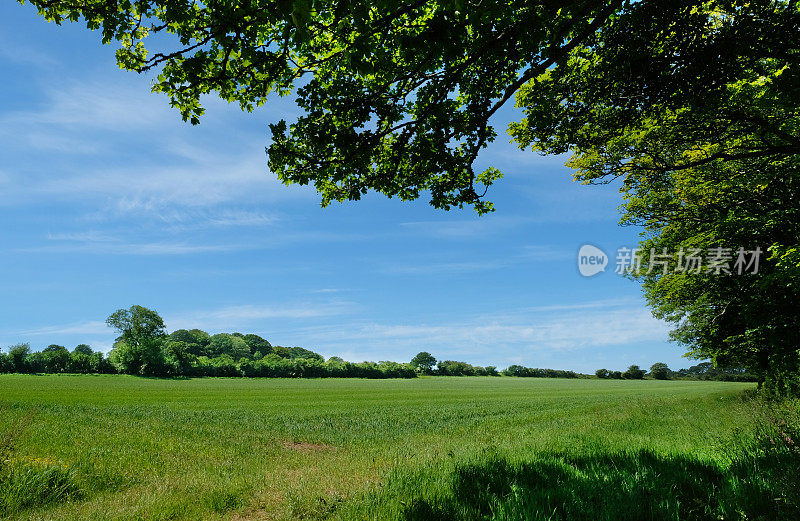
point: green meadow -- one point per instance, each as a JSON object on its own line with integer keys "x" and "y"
{"x": 120, "y": 447}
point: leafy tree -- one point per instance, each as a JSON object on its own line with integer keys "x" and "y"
{"x": 397, "y": 96}
{"x": 17, "y": 355}
{"x": 196, "y": 341}
{"x": 708, "y": 153}
{"x": 256, "y": 343}
{"x": 634, "y": 372}
{"x": 80, "y": 363}
{"x": 282, "y": 352}
{"x": 182, "y": 335}
{"x": 56, "y": 358}
{"x": 299, "y": 352}
{"x": 535, "y": 372}
{"x": 455, "y": 368}
{"x": 424, "y": 362}
{"x": 138, "y": 349}
{"x": 615, "y": 375}
{"x": 660, "y": 371}
{"x": 178, "y": 357}
{"x": 225, "y": 344}
{"x": 84, "y": 349}
{"x": 200, "y": 337}
{"x": 602, "y": 373}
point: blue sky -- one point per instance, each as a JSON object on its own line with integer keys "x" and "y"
{"x": 110, "y": 200}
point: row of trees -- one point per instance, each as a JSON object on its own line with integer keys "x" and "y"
{"x": 633, "y": 372}
{"x": 58, "y": 359}
{"x": 144, "y": 347}
{"x": 426, "y": 363}
{"x": 54, "y": 359}
{"x": 661, "y": 371}
{"x": 518, "y": 370}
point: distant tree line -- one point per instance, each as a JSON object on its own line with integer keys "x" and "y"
{"x": 660, "y": 371}
{"x": 54, "y": 359}
{"x": 426, "y": 363}
{"x": 535, "y": 372}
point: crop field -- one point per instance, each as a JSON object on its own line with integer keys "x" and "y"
{"x": 120, "y": 447}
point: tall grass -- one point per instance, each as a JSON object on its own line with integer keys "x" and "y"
{"x": 29, "y": 483}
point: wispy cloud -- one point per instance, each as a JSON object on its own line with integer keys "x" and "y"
{"x": 528, "y": 254}
{"x": 514, "y": 336}
{"x": 78, "y": 328}
{"x": 125, "y": 152}
{"x": 104, "y": 246}
{"x": 16, "y": 52}
{"x": 117, "y": 107}
{"x": 466, "y": 229}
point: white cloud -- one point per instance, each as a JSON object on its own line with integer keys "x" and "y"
{"x": 16, "y": 52}
{"x": 121, "y": 150}
{"x": 528, "y": 254}
{"x": 78, "y": 328}
{"x": 513, "y": 336}
{"x": 466, "y": 229}
{"x": 118, "y": 107}
{"x": 103, "y": 247}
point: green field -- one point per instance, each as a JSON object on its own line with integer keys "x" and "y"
{"x": 427, "y": 448}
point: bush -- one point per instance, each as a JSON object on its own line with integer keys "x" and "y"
{"x": 530, "y": 372}
{"x": 634, "y": 373}
{"x": 603, "y": 373}
{"x": 17, "y": 355}
{"x": 660, "y": 371}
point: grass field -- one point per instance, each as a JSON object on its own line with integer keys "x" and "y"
{"x": 431, "y": 448}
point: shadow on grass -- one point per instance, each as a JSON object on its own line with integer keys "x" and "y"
{"x": 629, "y": 486}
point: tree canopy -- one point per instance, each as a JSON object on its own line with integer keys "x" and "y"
{"x": 397, "y": 96}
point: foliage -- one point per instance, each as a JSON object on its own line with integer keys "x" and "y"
{"x": 257, "y": 344}
{"x": 602, "y": 373}
{"x": 518, "y": 370}
{"x": 707, "y": 151}
{"x": 424, "y": 362}
{"x": 634, "y": 372}
{"x": 707, "y": 371}
{"x": 397, "y": 98}
{"x": 17, "y": 357}
{"x": 83, "y": 349}
{"x": 225, "y": 344}
{"x": 299, "y": 352}
{"x": 138, "y": 349}
{"x": 55, "y": 358}
{"x": 660, "y": 371}
{"x": 455, "y": 368}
